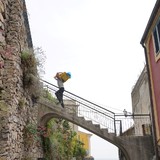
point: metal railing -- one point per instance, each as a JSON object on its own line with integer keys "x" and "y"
{"x": 119, "y": 124}
{"x": 90, "y": 111}
{"x": 133, "y": 124}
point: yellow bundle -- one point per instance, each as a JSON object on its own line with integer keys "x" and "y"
{"x": 63, "y": 76}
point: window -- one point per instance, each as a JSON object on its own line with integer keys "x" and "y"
{"x": 156, "y": 35}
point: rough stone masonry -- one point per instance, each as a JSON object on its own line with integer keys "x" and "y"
{"x": 16, "y": 106}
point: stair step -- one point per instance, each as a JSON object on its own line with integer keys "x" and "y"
{"x": 81, "y": 118}
{"x": 89, "y": 122}
{"x": 97, "y": 126}
{"x": 113, "y": 134}
{"x": 104, "y": 130}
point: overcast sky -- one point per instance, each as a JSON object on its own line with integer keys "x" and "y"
{"x": 98, "y": 41}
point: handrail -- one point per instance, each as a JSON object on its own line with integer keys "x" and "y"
{"x": 79, "y": 97}
{"x": 89, "y": 110}
{"x": 84, "y": 103}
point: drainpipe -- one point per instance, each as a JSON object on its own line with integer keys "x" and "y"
{"x": 151, "y": 101}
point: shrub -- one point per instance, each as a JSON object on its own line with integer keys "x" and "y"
{"x": 30, "y": 64}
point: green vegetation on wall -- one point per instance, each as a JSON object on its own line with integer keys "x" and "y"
{"x": 61, "y": 142}
{"x": 32, "y": 64}
{"x": 58, "y": 140}
{"x": 32, "y": 135}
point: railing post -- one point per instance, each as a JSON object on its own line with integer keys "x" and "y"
{"x": 120, "y": 127}
{"x": 115, "y": 124}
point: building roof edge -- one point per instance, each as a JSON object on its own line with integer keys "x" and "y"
{"x": 153, "y": 14}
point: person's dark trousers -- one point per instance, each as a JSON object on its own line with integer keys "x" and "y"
{"x": 59, "y": 94}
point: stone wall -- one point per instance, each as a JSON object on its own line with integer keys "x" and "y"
{"x": 16, "y": 107}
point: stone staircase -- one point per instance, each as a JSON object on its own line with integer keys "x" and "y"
{"x": 48, "y": 110}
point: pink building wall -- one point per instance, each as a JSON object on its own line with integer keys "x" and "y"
{"x": 155, "y": 75}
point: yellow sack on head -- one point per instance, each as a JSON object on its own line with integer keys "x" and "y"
{"x": 63, "y": 76}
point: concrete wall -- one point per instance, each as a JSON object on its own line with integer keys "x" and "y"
{"x": 142, "y": 145}
{"x": 71, "y": 105}
{"x": 138, "y": 147}
{"x": 141, "y": 103}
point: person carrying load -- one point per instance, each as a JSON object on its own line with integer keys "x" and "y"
{"x": 61, "y": 77}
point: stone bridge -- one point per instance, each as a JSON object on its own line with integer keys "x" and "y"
{"x": 75, "y": 113}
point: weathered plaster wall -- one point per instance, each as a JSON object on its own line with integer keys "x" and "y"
{"x": 16, "y": 107}
{"x": 141, "y": 103}
{"x": 138, "y": 148}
